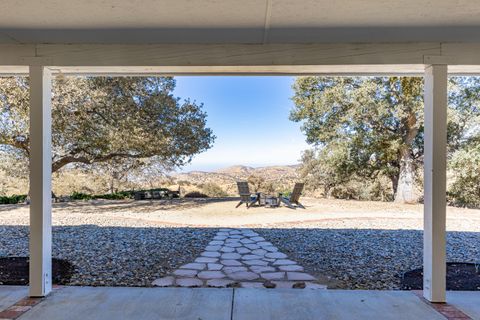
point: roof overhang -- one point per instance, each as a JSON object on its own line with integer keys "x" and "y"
{"x": 151, "y": 37}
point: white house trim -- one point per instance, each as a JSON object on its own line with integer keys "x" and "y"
{"x": 435, "y": 168}
{"x": 40, "y": 182}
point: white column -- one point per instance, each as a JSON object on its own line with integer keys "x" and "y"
{"x": 435, "y": 172}
{"x": 40, "y": 182}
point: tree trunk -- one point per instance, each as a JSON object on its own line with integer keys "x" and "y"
{"x": 112, "y": 185}
{"x": 405, "y": 191}
{"x": 394, "y": 180}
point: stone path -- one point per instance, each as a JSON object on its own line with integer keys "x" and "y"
{"x": 240, "y": 258}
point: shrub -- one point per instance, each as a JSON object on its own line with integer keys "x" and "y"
{"x": 259, "y": 184}
{"x": 14, "y": 199}
{"x": 130, "y": 194}
{"x": 107, "y": 196}
{"x": 343, "y": 191}
{"x": 80, "y": 196}
{"x": 114, "y": 196}
{"x": 195, "y": 194}
{"x": 213, "y": 190}
{"x": 465, "y": 188}
{"x": 286, "y": 194}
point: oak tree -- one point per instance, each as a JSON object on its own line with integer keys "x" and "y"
{"x": 105, "y": 119}
{"x": 373, "y": 126}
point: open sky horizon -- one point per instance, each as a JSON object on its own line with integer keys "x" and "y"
{"x": 249, "y": 117}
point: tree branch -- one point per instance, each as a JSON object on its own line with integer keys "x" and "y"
{"x": 57, "y": 165}
{"x": 22, "y": 144}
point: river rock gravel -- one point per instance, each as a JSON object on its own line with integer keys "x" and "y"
{"x": 365, "y": 259}
{"x": 108, "y": 250}
{"x": 112, "y": 256}
{"x": 344, "y": 244}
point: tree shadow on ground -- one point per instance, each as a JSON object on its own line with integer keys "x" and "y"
{"x": 141, "y": 206}
{"x": 135, "y": 256}
{"x": 10, "y": 207}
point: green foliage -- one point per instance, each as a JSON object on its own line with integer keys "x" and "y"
{"x": 363, "y": 190}
{"x": 80, "y": 196}
{"x": 464, "y": 146}
{"x": 114, "y": 196}
{"x": 368, "y": 131}
{"x": 329, "y": 171}
{"x": 286, "y": 194}
{"x": 196, "y": 194}
{"x": 120, "y": 195}
{"x": 465, "y": 168}
{"x": 14, "y": 199}
{"x": 213, "y": 190}
{"x": 363, "y": 127}
{"x": 101, "y": 119}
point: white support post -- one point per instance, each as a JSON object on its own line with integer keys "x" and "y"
{"x": 435, "y": 172}
{"x": 40, "y": 182}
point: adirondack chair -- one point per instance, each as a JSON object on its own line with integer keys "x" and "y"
{"x": 294, "y": 197}
{"x": 245, "y": 195}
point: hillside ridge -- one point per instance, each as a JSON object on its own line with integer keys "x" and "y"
{"x": 282, "y": 176}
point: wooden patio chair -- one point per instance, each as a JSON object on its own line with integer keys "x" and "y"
{"x": 245, "y": 195}
{"x": 294, "y": 197}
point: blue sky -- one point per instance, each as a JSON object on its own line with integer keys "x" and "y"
{"x": 249, "y": 116}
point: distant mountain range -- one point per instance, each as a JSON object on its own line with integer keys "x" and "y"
{"x": 226, "y": 178}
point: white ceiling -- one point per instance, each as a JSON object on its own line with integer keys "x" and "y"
{"x": 238, "y": 21}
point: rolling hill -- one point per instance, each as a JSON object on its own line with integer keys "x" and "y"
{"x": 282, "y": 177}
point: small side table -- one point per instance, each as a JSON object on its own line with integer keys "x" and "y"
{"x": 268, "y": 200}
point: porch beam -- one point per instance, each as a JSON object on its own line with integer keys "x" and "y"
{"x": 40, "y": 182}
{"x": 434, "y": 254}
{"x": 221, "y": 55}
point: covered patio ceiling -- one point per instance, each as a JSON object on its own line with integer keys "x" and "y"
{"x": 343, "y": 37}
{"x": 233, "y": 21}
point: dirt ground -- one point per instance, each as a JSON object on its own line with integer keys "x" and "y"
{"x": 329, "y": 213}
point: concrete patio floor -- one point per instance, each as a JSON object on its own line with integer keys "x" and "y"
{"x": 78, "y": 303}
{"x": 10, "y": 295}
{"x": 467, "y": 301}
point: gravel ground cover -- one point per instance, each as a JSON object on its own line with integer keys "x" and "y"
{"x": 345, "y": 244}
{"x": 113, "y": 255}
{"x": 365, "y": 259}
{"x": 106, "y": 249}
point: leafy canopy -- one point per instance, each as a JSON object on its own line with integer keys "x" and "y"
{"x": 100, "y": 119}
{"x": 372, "y": 127}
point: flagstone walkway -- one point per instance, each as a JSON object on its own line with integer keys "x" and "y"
{"x": 240, "y": 258}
